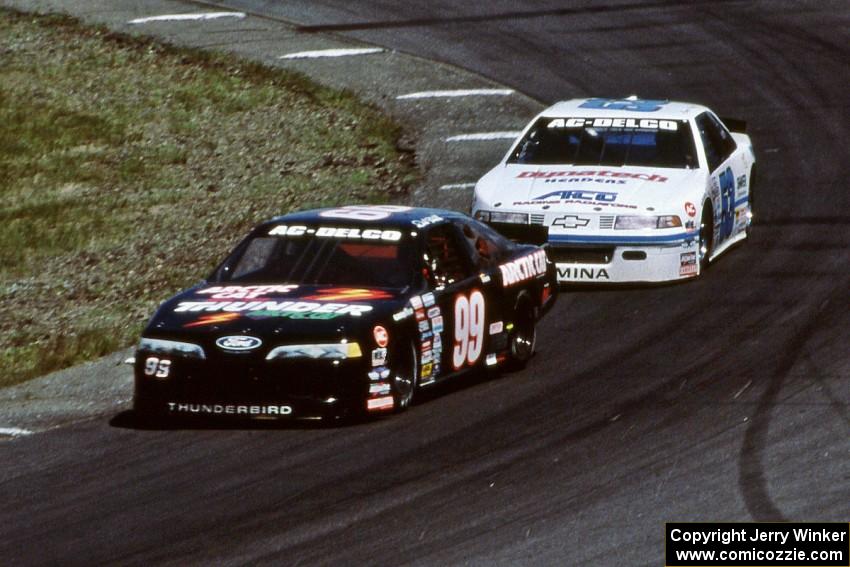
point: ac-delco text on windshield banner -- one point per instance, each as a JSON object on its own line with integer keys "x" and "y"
{"x": 757, "y": 544}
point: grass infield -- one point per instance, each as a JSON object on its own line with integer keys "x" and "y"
{"x": 128, "y": 168}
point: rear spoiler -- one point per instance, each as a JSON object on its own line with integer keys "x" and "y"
{"x": 523, "y": 233}
{"x": 735, "y": 125}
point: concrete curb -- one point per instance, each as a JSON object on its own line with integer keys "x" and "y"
{"x": 378, "y": 77}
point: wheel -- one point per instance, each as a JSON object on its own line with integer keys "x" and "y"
{"x": 750, "y": 199}
{"x": 405, "y": 378}
{"x": 523, "y": 336}
{"x": 706, "y": 236}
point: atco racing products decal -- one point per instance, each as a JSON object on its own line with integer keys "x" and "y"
{"x": 238, "y": 343}
{"x": 524, "y": 268}
{"x": 688, "y": 264}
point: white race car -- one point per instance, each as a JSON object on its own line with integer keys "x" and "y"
{"x": 624, "y": 190}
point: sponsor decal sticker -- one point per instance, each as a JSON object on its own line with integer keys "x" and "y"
{"x": 379, "y": 357}
{"x": 364, "y": 212}
{"x": 575, "y": 273}
{"x": 349, "y": 294}
{"x": 424, "y": 326}
{"x": 403, "y": 314}
{"x": 628, "y": 123}
{"x": 690, "y": 209}
{"x": 271, "y": 308}
{"x": 382, "y": 337}
{"x": 523, "y": 268}
{"x": 496, "y": 327}
{"x": 245, "y": 292}
{"x": 433, "y": 312}
{"x": 428, "y": 299}
{"x": 688, "y": 264}
{"x": 416, "y": 302}
{"x": 423, "y": 222}
{"x": 238, "y": 343}
{"x": 336, "y": 232}
{"x": 604, "y": 173}
{"x": 437, "y": 324}
{"x": 380, "y": 404}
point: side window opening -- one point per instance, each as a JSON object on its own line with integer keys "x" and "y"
{"x": 446, "y": 260}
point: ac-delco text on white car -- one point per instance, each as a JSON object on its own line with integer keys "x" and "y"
{"x": 624, "y": 190}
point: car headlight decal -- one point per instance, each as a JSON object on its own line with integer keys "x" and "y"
{"x": 331, "y": 351}
{"x": 178, "y": 348}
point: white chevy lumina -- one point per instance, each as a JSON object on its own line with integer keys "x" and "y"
{"x": 624, "y": 190}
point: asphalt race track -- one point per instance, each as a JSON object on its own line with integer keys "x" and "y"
{"x": 724, "y": 399}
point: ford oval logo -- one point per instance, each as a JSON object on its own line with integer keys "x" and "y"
{"x": 238, "y": 342}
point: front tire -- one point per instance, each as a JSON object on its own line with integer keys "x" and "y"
{"x": 523, "y": 337}
{"x": 405, "y": 378}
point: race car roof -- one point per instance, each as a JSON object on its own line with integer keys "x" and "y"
{"x": 396, "y": 216}
{"x": 631, "y": 107}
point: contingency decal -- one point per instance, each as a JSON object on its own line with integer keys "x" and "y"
{"x": 524, "y": 268}
{"x": 430, "y": 340}
{"x": 688, "y": 264}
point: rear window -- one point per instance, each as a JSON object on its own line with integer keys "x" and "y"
{"x": 605, "y": 141}
{"x": 309, "y": 259}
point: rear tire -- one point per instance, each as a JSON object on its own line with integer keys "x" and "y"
{"x": 706, "y": 236}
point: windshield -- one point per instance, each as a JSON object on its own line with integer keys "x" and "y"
{"x": 605, "y": 141}
{"x": 319, "y": 259}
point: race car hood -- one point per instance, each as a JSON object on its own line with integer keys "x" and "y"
{"x": 588, "y": 188}
{"x": 278, "y": 313}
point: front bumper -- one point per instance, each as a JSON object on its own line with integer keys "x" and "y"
{"x": 247, "y": 389}
{"x": 603, "y": 263}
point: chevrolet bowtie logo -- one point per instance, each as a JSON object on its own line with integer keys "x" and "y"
{"x": 570, "y": 221}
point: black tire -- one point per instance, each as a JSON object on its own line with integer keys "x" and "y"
{"x": 706, "y": 236}
{"x": 405, "y": 378}
{"x": 750, "y": 199}
{"x": 523, "y": 337}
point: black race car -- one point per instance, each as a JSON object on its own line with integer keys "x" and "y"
{"x": 342, "y": 311}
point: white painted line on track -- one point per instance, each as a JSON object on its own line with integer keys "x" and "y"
{"x": 483, "y": 136}
{"x": 14, "y": 431}
{"x": 453, "y": 186}
{"x": 331, "y": 53}
{"x": 185, "y": 17}
{"x": 456, "y": 92}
